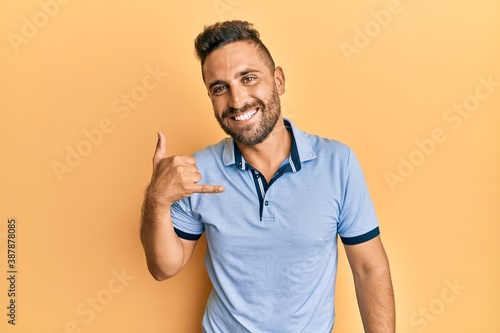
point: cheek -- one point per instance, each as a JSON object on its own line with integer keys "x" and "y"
{"x": 262, "y": 91}
{"x": 218, "y": 105}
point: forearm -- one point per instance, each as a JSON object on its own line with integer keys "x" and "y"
{"x": 376, "y": 300}
{"x": 163, "y": 249}
{"x": 174, "y": 178}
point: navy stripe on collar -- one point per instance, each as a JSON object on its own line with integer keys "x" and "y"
{"x": 293, "y": 160}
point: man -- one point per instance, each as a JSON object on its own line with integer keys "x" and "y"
{"x": 281, "y": 198}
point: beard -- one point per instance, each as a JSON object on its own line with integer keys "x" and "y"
{"x": 250, "y": 135}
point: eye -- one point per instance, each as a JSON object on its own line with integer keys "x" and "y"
{"x": 219, "y": 90}
{"x": 248, "y": 79}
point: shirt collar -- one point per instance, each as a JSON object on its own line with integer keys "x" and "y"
{"x": 301, "y": 150}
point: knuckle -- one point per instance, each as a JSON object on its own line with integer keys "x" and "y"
{"x": 197, "y": 177}
{"x": 176, "y": 159}
{"x": 179, "y": 171}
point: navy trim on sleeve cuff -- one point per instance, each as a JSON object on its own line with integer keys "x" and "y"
{"x": 185, "y": 235}
{"x": 362, "y": 238}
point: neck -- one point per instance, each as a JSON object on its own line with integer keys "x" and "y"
{"x": 268, "y": 155}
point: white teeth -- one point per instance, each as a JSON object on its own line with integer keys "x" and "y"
{"x": 245, "y": 116}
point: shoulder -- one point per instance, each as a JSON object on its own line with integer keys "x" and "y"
{"x": 312, "y": 144}
{"x": 326, "y": 147}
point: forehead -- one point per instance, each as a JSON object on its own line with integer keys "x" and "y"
{"x": 232, "y": 58}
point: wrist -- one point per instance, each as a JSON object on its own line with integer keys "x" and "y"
{"x": 155, "y": 199}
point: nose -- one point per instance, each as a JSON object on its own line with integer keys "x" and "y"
{"x": 237, "y": 97}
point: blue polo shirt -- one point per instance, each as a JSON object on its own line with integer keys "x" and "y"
{"x": 272, "y": 247}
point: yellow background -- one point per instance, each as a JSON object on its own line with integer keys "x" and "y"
{"x": 78, "y": 230}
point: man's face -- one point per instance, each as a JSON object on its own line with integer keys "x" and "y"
{"x": 244, "y": 91}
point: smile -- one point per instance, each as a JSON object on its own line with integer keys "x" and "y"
{"x": 245, "y": 116}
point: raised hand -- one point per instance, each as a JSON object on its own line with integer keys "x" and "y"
{"x": 175, "y": 177}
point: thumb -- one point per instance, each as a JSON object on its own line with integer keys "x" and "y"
{"x": 161, "y": 146}
{"x": 161, "y": 149}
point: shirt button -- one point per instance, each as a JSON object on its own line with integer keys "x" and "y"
{"x": 266, "y": 203}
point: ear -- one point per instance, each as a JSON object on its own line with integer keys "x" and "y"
{"x": 279, "y": 80}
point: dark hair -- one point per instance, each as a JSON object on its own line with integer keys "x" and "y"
{"x": 222, "y": 33}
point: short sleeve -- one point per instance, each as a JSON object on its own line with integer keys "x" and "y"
{"x": 185, "y": 224}
{"x": 358, "y": 222}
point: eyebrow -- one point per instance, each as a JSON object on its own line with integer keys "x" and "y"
{"x": 246, "y": 71}
{"x": 215, "y": 83}
{"x": 240, "y": 74}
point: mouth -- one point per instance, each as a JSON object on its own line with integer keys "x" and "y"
{"x": 247, "y": 115}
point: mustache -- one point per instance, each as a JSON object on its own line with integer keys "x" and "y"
{"x": 231, "y": 112}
